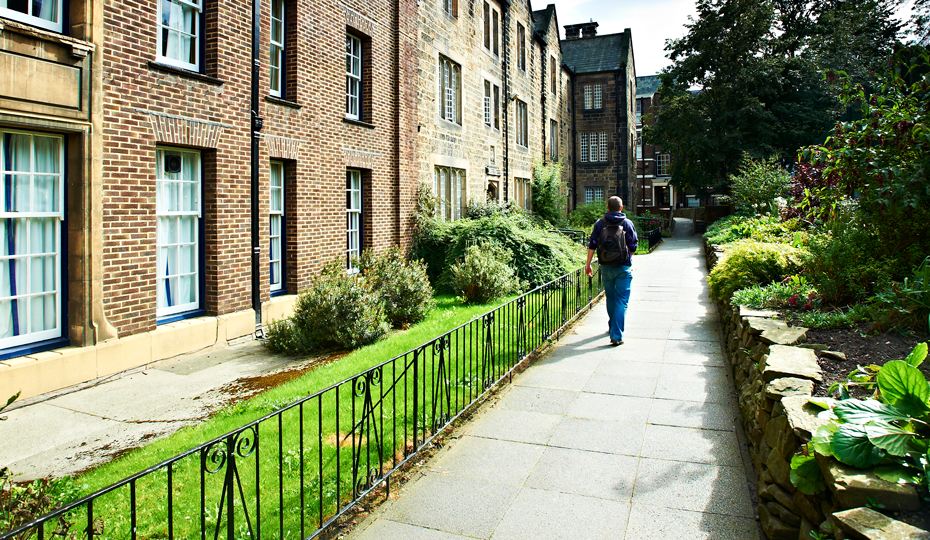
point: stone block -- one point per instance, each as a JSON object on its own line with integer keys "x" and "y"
{"x": 756, "y": 325}
{"x": 767, "y": 477}
{"x": 867, "y": 524}
{"x": 772, "y": 430}
{"x": 813, "y": 346}
{"x": 788, "y": 386}
{"x": 46, "y": 371}
{"x": 833, "y": 355}
{"x": 785, "y": 361}
{"x": 787, "y": 336}
{"x": 279, "y": 307}
{"x": 787, "y": 444}
{"x": 110, "y": 358}
{"x": 854, "y": 487}
{"x": 776, "y": 509}
{"x": 236, "y": 325}
{"x": 780, "y": 470}
{"x": 783, "y": 498}
{"x": 183, "y": 337}
{"x": 808, "y": 507}
{"x": 756, "y": 313}
{"x": 806, "y": 529}
{"x": 803, "y": 417}
{"x": 774, "y": 528}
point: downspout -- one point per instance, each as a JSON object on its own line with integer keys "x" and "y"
{"x": 542, "y": 99}
{"x": 506, "y": 24}
{"x": 621, "y": 143}
{"x": 572, "y": 154}
{"x": 254, "y": 184}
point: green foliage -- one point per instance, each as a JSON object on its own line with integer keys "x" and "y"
{"x": 336, "y": 310}
{"x": 747, "y": 263}
{"x": 805, "y": 474}
{"x": 758, "y": 185}
{"x": 21, "y": 503}
{"x": 834, "y": 318}
{"x": 481, "y": 208}
{"x": 905, "y": 305}
{"x": 538, "y": 255}
{"x": 884, "y": 156}
{"x": 843, "y": 262}
{"x": 890, "y": 433}
{"x": 793, "y": 292}
{"x": 762, "y": 229}
{"x": 548, "y": 201}
{"x": 584, "y": 216}
{"x": 484, "y": 274}
{"x": 10, "y": 402}
{"x": 402, "y": 286}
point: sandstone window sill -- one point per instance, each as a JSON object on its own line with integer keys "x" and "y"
{"x": 358, "y": 123}
{"x": 165, "y": 68}
{"x": 283, "y": 102}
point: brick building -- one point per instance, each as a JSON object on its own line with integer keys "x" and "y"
{"x": 652, "y": 165}
{"x": 143, "y": 221}
{"x": 492, "y": 93}
{"x": 604, "y": 79}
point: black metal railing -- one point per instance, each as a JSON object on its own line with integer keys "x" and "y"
{"x": 655, "y": 237}
{"x": 296, "y": 470}
{"x": 576, "y": 235}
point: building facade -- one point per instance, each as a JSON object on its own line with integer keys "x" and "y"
{"x": 604, "y": 79}
{"x": 656, "y": 191}
{"x": 168, "y": 199}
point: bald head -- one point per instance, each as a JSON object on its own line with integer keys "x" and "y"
{"x": 614, "y": 204}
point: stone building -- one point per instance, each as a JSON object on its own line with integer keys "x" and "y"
{"x": 492, "y": 93}
{"x": 143, "y": 221}
{"x": 652, "y": 165}
{"x": 604, "y": 79}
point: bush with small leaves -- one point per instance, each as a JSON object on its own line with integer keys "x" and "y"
{"x": 747, "y": 263}
{"x": 336, "y": 310}
{"x": 401, "y": 284}
{"x": 484, "y": 274}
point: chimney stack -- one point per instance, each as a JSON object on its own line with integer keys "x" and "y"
{"x": 583, "y": 30}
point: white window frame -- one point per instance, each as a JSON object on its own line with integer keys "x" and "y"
{"x": 353, "y": 77}
{"x": 639, "y": 112}
{"x": 354, "y": 196}
{"x": 276, "y": 205}
{"x": 277, "y": 48}
{"x": 163, "y": 216}
{"x": 50, "y": 260}
{"x": 553, "y": 87}
{"x": 450, "y": 86}
{"x": 522, "y": 124}
{"x": 662, "y": 163}
{"x": 55, "y": 25}
{"x": 583, "y": 147}
{"x": 451, "y": 7}
{"x": 593, "y": 96}
{"x": 487, "y": 103}
{"x": 602, "y": 145}
{"x": 449, "y": 186}
{"x": 553, "y": 140}
{"x": 197, "y": 36}
{"x": 593, "y": 194}
{"x": 521, "y": 47}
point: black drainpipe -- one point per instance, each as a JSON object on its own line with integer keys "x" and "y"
{"x": 542, "y": 100}
{"x": 621, "y": 191}
{"x": 574, "y": 149}
{"x": 254, "y": 184}
{"x": 506, "y": 68}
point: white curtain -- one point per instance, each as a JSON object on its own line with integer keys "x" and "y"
{"x": 47, "y": 9}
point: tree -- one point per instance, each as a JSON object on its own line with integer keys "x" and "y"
{"x": 760, "y": 69}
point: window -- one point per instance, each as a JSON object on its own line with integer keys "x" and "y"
{"x": 639, "y": 111}
{"x": 522, "y": 127}
{"x": 353, "y": 77}
{"x": 276, "y": 63}
{"x": 662, "y": 161}
{"x": 31, "y": 215}
{"x": 552, "y": 76}
{"x": 493, "y": 156}
{"x": 177, "y": 237}
{"x": 593, "y": 194}
{"x": 42, "y": 13}
{"x": 492, "y": 105}
{"x": 497, "y": 32}
{"x": 450, "y": 84}
{"x": 276, "y": 223}
{"x": 353, "y": 219}
{"x": 451, "y": 7}
{"x": 553, "y": 139}
{"x": 693, "y": 201}
{"x": 491, "y": 29}
{"x": 449, "y": 186}
{"x": 593, "y": 146}
{"x": 592, "y": 96}
{"x": 639, "y": 147}
{"x": 521, "y": 47}
{"x": 521, "y": 192}
{"x": 179, "y": 39}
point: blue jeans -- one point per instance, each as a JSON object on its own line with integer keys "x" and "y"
{"x": 617, "y": 289}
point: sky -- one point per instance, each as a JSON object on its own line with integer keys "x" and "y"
{"x": 651, "y": 22}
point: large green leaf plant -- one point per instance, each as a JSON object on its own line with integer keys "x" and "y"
{"x": 889, "y": 433}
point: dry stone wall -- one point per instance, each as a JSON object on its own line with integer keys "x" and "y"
{"x": 775, "y": 373}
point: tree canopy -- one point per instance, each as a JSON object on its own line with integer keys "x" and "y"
{"x": 759, "y": 69}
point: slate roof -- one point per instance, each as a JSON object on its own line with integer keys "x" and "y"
{"x": 647, "y": 86}
{"x": 541, "y": 21}
{"x": 595, "y": 54}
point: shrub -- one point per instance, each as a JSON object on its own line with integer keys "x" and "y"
{"x": 484, "y": 274}
{"x": 402, "y": 285}
{"x": 769, "y": 229}
{"x": 747, "y": 263}
{"x": 337, "y": 309}
{"x": 793, "y": 292}
{"x": 538, "y": 255}
{"x": 758, "y": 185}
{"x": 905, "y": 305}
{"x": 584, "y": 216}
{"x": 480, "y": 208}
{"x": 843, "y": 263}
{"x": 835, "y": 318}
{"x": 548, "y": 201}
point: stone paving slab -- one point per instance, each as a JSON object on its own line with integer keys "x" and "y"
{"x": 635, "y": 442}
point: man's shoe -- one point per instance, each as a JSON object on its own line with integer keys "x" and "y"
{"x": 615, "y": 342}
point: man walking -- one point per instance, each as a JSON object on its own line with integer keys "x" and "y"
{"x": 614, "y": 238}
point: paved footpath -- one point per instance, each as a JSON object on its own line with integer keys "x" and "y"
{"x": 635, "y": 442}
